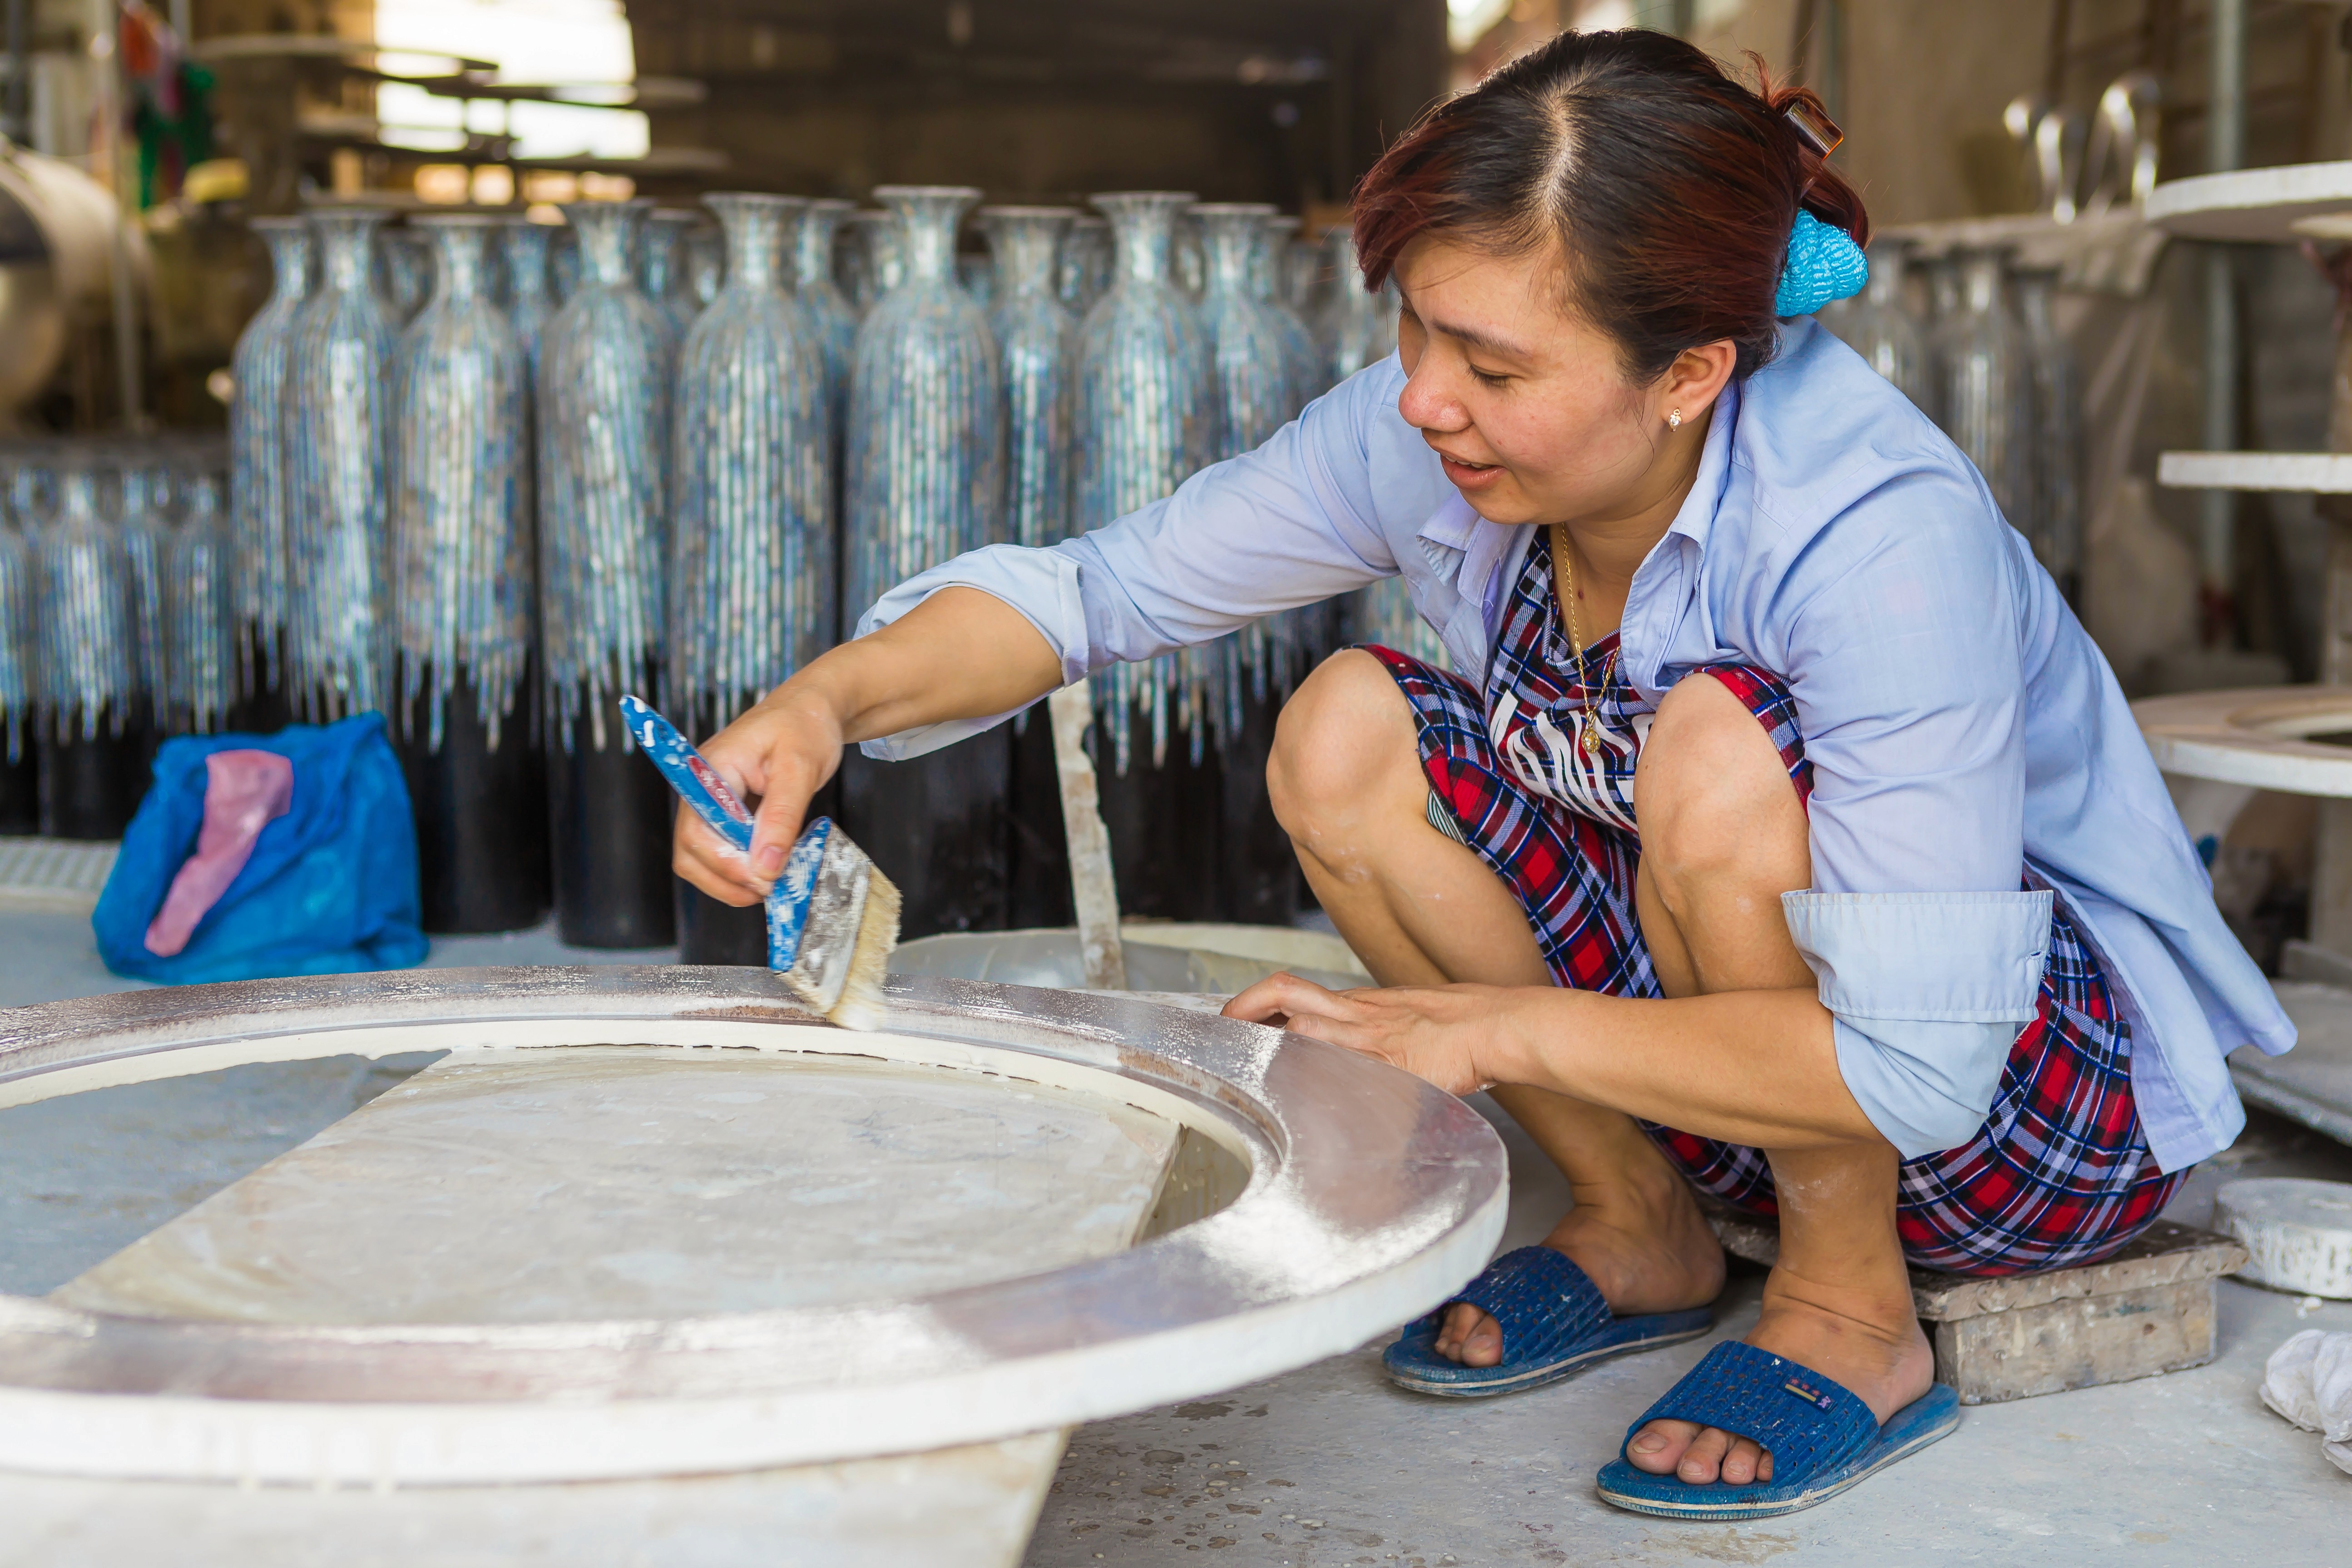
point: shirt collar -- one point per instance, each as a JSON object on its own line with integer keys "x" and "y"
{"x": 1456, "y": 525}
{"x": 1695, "y": 520}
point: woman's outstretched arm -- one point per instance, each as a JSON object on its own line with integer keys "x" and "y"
{"x": 1759, "y": 1067}
{"x": 961, "y": 654}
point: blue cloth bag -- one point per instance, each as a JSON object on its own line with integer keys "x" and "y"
{"x": 328, "y": 889}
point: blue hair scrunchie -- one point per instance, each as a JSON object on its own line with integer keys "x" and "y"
{"x": 1823, "y": 264}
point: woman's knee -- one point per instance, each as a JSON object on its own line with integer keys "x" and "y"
{"x": 1344, "y": 732}
{"x": 1713, "y": 794}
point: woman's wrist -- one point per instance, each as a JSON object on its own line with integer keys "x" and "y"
{"x": 1508, "y": 1053}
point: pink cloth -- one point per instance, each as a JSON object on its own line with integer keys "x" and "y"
{"x": 245, "y": 792}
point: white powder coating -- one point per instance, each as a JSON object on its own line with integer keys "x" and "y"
{"x": 616, "y": 1183}
{"x": 2298, "y": 1232}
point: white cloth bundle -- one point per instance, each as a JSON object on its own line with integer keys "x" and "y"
{"x": 2308, "y": 1380}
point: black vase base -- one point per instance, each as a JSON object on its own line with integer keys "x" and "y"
{"x": 480, "y": 814}
{"x": 609, "y": 819}
{"x": 1257, "y": 869}
{"x": 91, "y": 787}
{"x": 712, "y": 933}
{"x": 936, "y": 826}
{"x": 1163, "y": 825}
{"x": 1041, "y": 845}
{"x": 20, "y": 790}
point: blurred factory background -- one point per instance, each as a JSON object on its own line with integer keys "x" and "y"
{"x": 142, "y": 141}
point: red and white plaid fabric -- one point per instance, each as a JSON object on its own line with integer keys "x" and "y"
{"x": 2058, "y": 1175}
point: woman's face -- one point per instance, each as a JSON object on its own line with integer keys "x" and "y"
{"x": 1525, "y": 404}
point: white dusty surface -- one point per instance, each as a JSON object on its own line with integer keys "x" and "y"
{"x": 649, "y": 1183}
{"x": 2187, "y": 1469}
{"x": 962, "y": 1508}
{"x": 84, "y": 1176}
{"x": 46, "y": 956}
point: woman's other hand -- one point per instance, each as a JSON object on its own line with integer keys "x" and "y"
{"x": 1432, "y": 1032}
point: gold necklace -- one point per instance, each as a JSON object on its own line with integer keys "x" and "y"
{"x": 1589, "y": 740}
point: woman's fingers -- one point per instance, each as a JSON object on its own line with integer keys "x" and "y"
{"x": 774, "y": 757}
{"x": 1282, "y": 1000}
{"x": 1425, "y": 1031}
{"x": 784, "y": 805}
{"x": 710, "y": 862}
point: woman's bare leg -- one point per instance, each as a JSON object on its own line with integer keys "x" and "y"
{"x": 1421, "y": 910}
{"x": 1722, "y": 837}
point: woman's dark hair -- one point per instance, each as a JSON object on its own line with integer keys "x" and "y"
{"x": 1669, "y": 187}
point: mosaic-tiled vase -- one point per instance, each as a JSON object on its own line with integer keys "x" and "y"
{"x": 926, "y": 482}
{"x": 603, "y": 410}
{"x": 463, "y": 572}
{"x": 338, "y": 411}
{"x": 1147, "y": 421}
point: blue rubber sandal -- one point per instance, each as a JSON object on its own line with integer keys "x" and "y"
{"x": 1554, "y": 1322}
{"x": 1821, "y": 1437}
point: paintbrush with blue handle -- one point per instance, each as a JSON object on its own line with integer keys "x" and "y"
{"x": 832, "y": 916}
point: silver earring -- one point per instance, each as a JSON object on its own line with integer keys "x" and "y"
{"x": 1675, "y": 420}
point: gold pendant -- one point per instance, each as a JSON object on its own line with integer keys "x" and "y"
{"x": 1591, "y": 740}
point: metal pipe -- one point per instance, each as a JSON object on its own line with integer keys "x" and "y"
{"x": 15, "y": 116}
{"x": 1828, "y": 59}
{"x": 106, "y": 57}
{"x": 2225, "y": 149}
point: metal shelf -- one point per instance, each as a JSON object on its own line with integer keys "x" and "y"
{"x": 2276, "y": 206}
{"x": 2316, "y": 473}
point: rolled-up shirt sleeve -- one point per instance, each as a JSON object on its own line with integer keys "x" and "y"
{"x": 1929, "y": 991}
{"x": 1292, "y": 523}
{"x": 1906, "y": 671}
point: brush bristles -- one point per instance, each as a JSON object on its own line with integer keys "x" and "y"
{"x": 861, "y": 1006}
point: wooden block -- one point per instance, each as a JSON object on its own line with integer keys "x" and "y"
{"x": 2147, "y": 1309}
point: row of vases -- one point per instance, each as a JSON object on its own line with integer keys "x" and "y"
{"x": 1988, "y": 364}
{"x": 114, "y": 623}
{"x": 1026, "y": 423}
{"x": 468, "y": 524}
{"x": 491, "y": 522}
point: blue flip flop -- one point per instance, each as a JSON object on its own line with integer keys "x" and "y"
{"x": 1821, "y": 1437}
{"x": 1554, "y": 1322}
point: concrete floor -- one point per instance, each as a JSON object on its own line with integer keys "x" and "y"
{"x": 1331, "y": 1464}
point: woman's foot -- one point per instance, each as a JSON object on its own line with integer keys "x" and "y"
{"x": 1647, "y": 1251}
{"x": 1869, "y": 1342}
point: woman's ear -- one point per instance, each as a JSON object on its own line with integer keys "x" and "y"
{"x": 1694, "y": 380}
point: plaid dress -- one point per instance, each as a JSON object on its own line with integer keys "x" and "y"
{"x": 2058, "y": 1175}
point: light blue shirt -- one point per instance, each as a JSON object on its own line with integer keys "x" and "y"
{"x": 1960, "y": 724}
